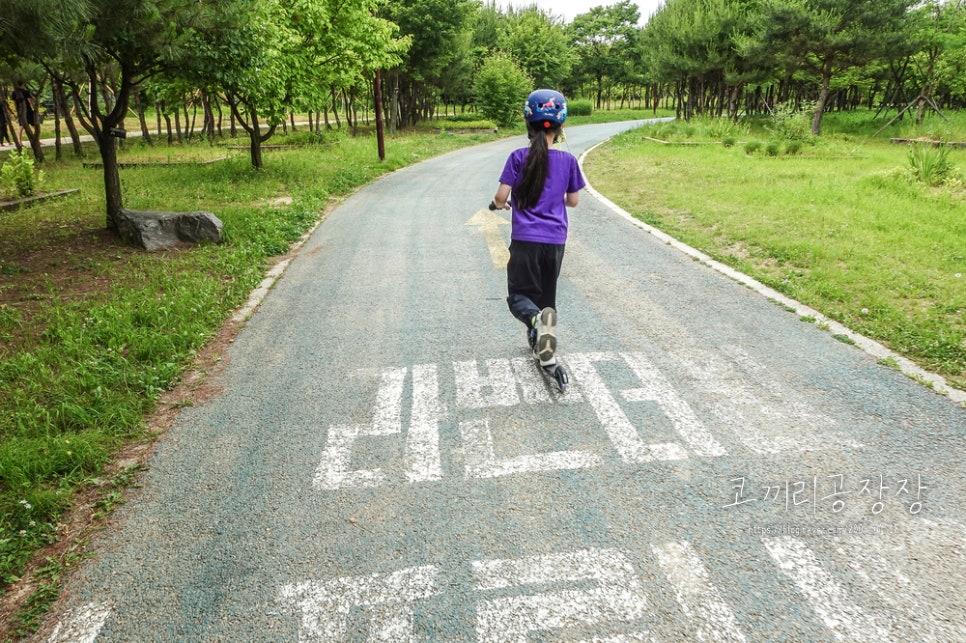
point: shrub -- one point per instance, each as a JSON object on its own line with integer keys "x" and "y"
{"x": 930, "y": 164}
{"x": 793, "y": 147}
{"x": 773, "y": 148}
{"x": 729, "y": 141}
{"x": 17, "y": 175}
{"x": 580, "y": 107}
{"x": 501, "y": 89}
{"x": 792, "y": 124}
{"x": 752, "y": 147}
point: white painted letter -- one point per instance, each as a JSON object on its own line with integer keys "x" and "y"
{"x": 387, "y": 598}
{"x": 334, "y": 471}
{"x": 619, "y": 429}
{"x": 618, "y": 596}
{"x": 477, "y": 391}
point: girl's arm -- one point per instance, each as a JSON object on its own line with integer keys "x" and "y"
{"x": 502, "y": 198}
{"x": 572, "y": 199}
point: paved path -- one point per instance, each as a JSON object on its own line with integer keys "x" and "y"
{"x": 385, "y": 462}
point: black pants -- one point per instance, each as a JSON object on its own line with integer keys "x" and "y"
{"x": 531, "y": 276}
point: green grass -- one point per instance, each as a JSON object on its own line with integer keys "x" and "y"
{"x": 841, "y": 224}
{"x": 93, "y": 332}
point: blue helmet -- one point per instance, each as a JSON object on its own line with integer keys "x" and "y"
{"x": 545, "y": 105}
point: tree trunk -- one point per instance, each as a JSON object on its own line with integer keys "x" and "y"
{"x": 167, "y": 123}
{"x": 255, "y": 148}
{"x": 139, "y": 108}
{"x": 33, "y": 135}
{"x": 822, "y": 100}
{"x": 112, "y": 179}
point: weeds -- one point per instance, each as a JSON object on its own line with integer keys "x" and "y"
{"x": 930, "y": 164}
{"x": 17, "y": 176}
{"x": 791, "y": 124}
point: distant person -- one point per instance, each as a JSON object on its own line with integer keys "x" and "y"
{"x": 4, "y": 124}
{"x": 23, "y": 102}
{"x": 544, "y": 182}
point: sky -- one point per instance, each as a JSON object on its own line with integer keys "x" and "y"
{"x": 570, "y": 8}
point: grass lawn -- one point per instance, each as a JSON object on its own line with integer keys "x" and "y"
{"x": 836, "y": 223}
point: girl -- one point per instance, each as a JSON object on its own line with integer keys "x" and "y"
{"x": 544, "y": 182}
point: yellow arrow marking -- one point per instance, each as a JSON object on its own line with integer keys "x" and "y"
{"x": 490, "y": 222}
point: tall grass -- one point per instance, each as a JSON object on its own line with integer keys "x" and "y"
{"x": 839, "y": 225}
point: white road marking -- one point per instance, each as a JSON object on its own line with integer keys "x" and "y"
{"x": 597, "y": 593}
{"x": 388, "y": 600}
{"x": 697, "y": 595}
{"x": 481, "y": 460}
{"x": 656, "y": 388}
{"x": 476, "y": 390}
{"x": 81, "y": 625}
{"x": 825, "y": 595}
{"x": 897, "y": 562}
{"x": 503, "y": 383}
{"x": 618, "y": 595}
{"x": 334, "y": 472}
{"x": 533, "y": 384}
{"x": 619, "y": 429}
{"x": 422, "y": 443}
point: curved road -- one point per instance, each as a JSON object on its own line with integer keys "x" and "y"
{"x": 385, "y": 462}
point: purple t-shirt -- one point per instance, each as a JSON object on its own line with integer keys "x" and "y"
{"x": 545, "y": 222}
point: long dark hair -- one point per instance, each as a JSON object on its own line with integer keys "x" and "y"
{"x": 527, "y": 192}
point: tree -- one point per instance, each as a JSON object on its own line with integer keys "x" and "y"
{"x": 940, "y": 31}
{"x": 436, "y": 29}
{"x": 826, "y": 37}
{"x": 109, "y": 46}
{"x": 539, "y": 44}
{"x": 603, "y": 39}
{"x": 285, "y": 55}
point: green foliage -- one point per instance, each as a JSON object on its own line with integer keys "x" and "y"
{"x": 930, "y": 164}
{"x": 501, "y": 89}
{"x": 580, "y": 107}
{"x": 607, "y": 46}
{"x": 792, "y": 124}
{"x": 752, "y": 147}
{"x": 538, "y": 43}
{"x": 772, "y": 148}
{"x": 17, "y": 175}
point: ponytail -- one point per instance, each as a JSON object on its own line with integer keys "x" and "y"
{"x": 527, "y": 192}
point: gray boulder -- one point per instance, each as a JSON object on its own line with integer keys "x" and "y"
{"x": 153, "y": 230}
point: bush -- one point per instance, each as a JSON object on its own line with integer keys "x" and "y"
{"x": 17, "y": 176}
{"x": 792, "y": 124}
{"x": 501, "y": 89}
{"x": 751, "y": 147}
{"x": 729, "y": 141}
{"x": 930, "y": 164}
{"x": 773, "y": 148}
{"x": 580, "y": 108}
{"x": 793, "y": 147}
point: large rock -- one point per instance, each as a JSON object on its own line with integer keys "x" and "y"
{"x": 153, "y": 230}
